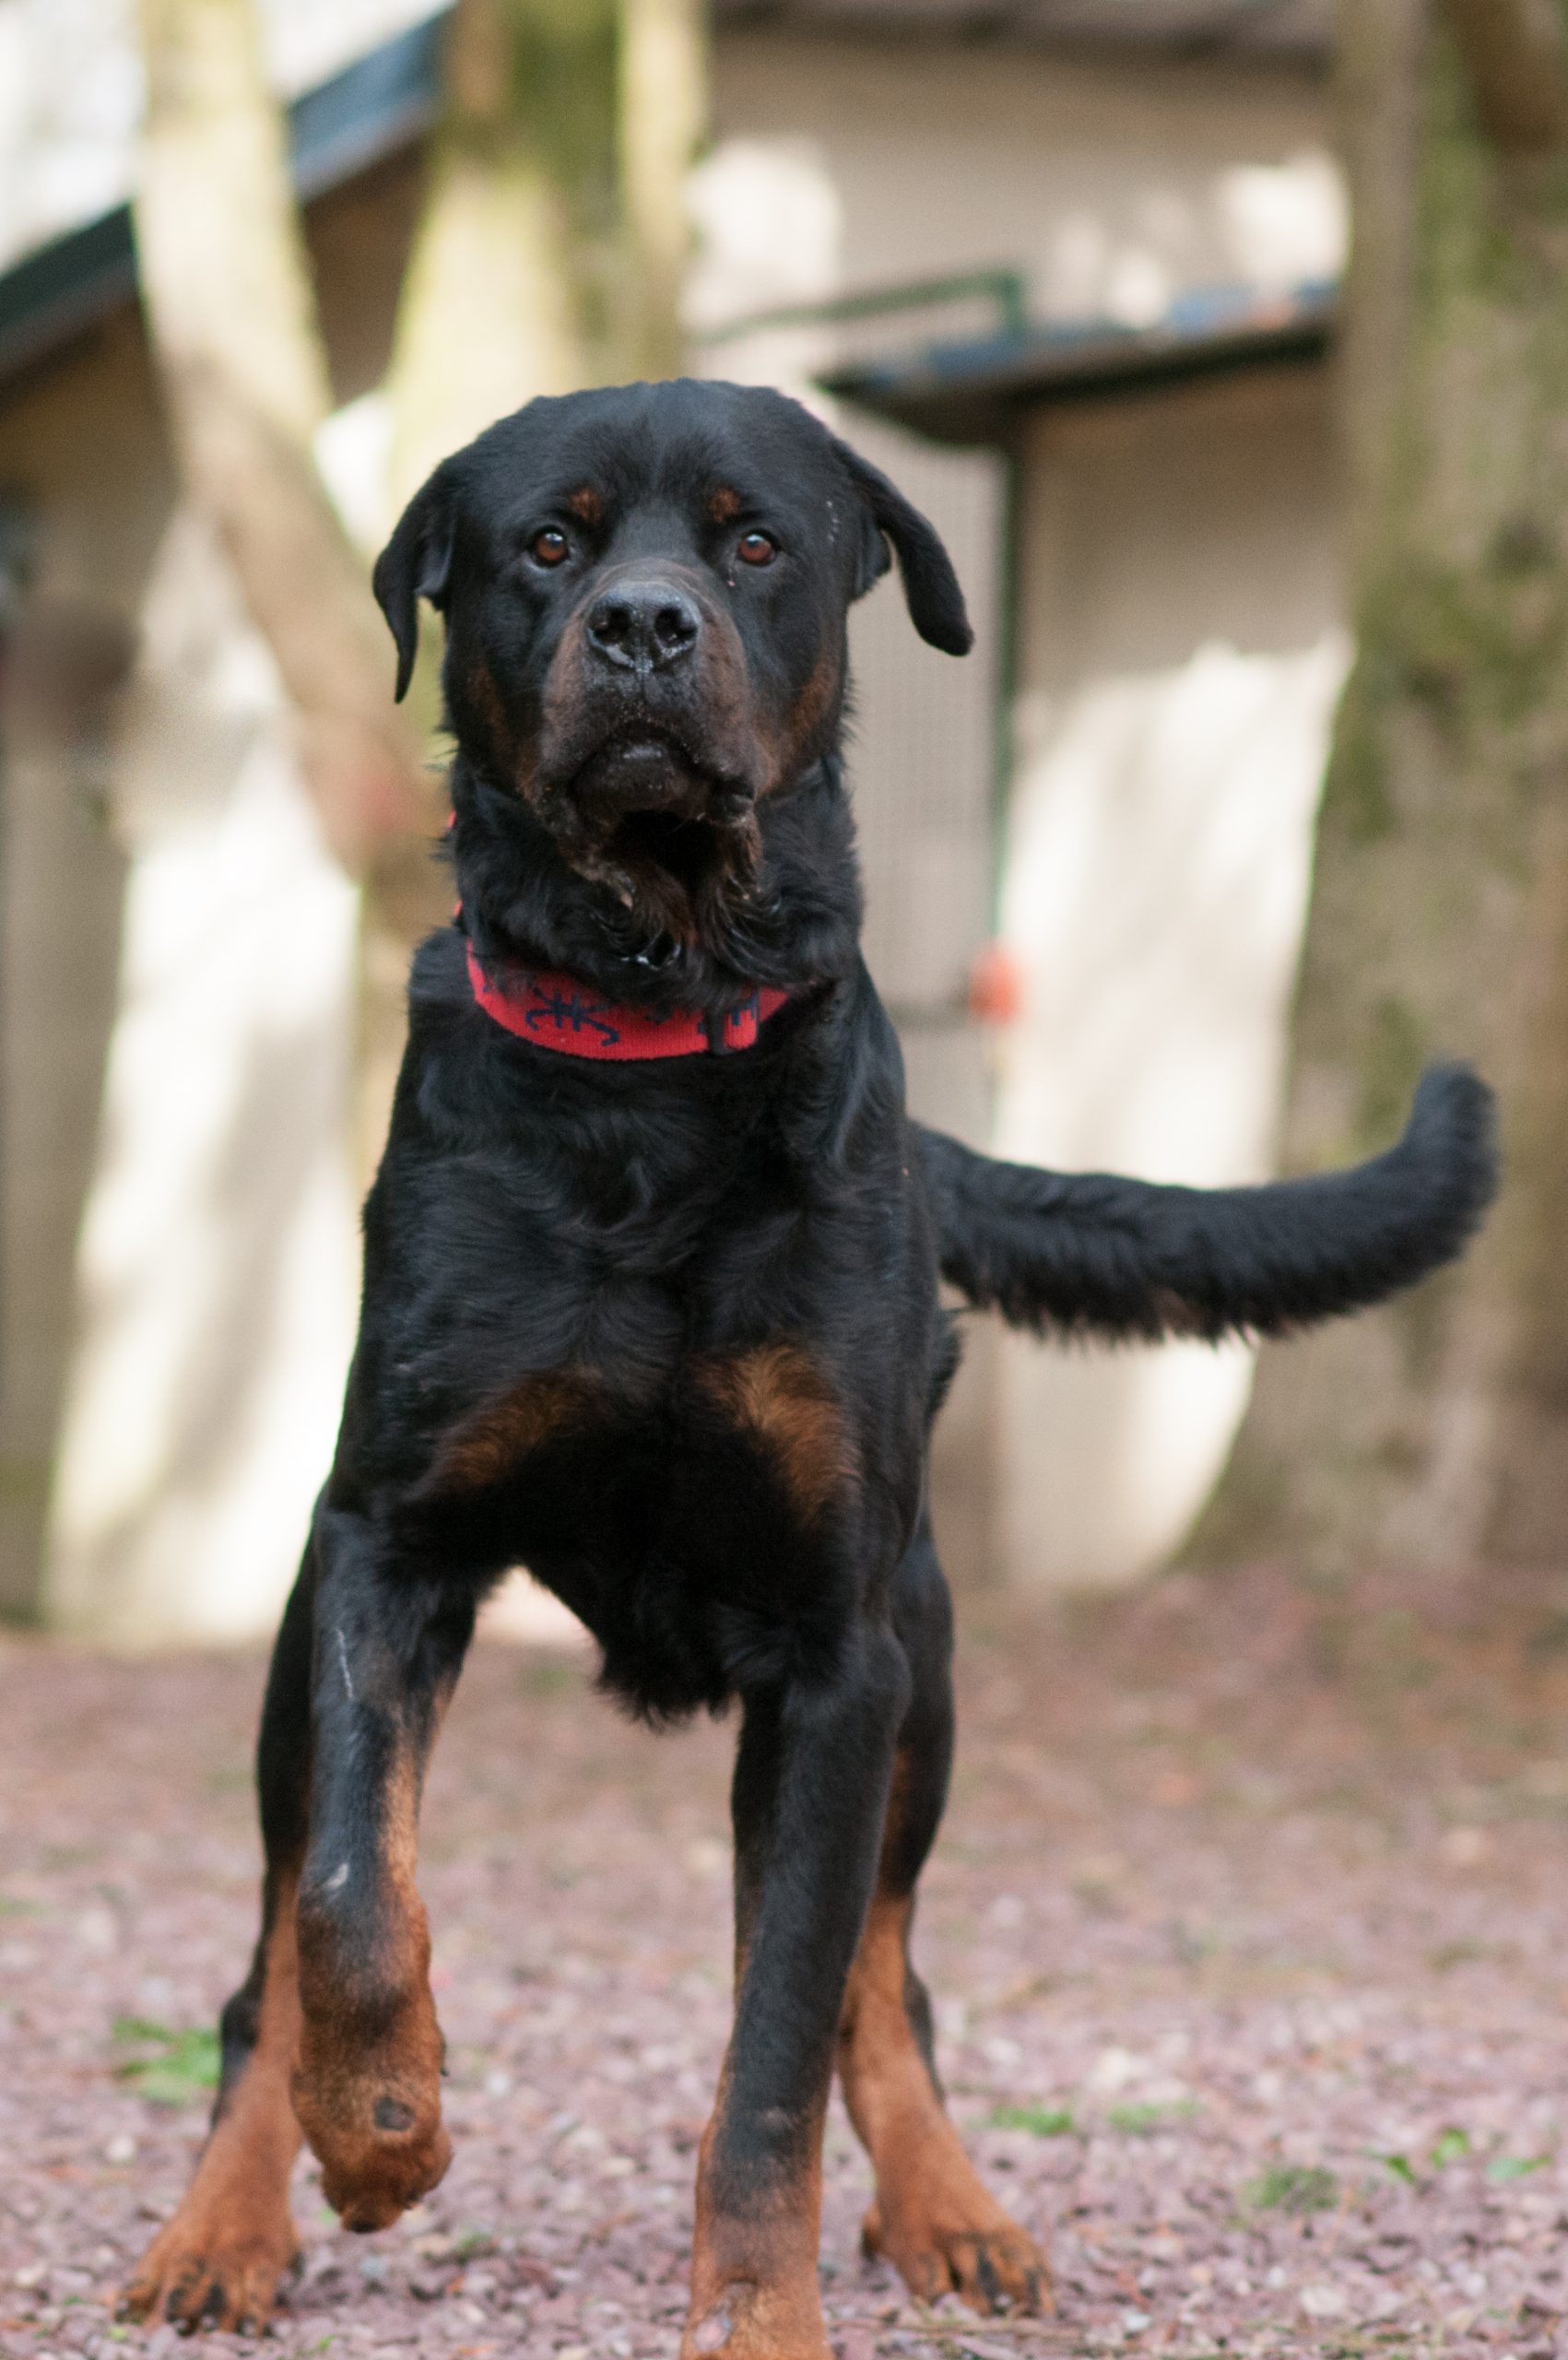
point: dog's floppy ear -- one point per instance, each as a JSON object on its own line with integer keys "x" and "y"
{"x": 930, "y": 586}
{"x": 415, "y": 564}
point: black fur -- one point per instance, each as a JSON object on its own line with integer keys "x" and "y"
{"x": 670, "y": 1333}
{"x": 1090, "y": 1254}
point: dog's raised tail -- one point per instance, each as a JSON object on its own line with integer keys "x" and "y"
{"x": 1091, "y": 1253}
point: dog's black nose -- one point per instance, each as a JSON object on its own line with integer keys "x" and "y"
{"x": 643, "y": 626}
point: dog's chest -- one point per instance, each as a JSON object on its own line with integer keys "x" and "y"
{"x": 697, "y": 1528}
{"x": 581, "y": 1446}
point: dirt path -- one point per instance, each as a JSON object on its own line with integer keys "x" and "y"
{"x": 1247, "y": 1933}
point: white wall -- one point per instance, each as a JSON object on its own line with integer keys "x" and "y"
{"x": 218, "y": 1268}
{"x": 1181, "y": 651}
{"x": 1113, "y": 186}
{"x": 1182, "y": 648}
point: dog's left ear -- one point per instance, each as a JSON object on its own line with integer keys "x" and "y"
{"x": 415, "y": 564}
{"x": 930, "y": 586}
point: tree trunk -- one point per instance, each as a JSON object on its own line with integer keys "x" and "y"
{"x": 499, "y": 300}
{"x": 663, "y": 115}
{"x": 231, "y": 317}
{"x": 1437, "y": 1430}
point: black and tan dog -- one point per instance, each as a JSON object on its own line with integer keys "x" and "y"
{"x": 651, "y": 1305}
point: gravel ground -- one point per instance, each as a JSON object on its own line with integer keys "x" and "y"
{"x": 1247, "y": 1932}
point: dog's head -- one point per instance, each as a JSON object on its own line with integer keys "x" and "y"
{"x": 645, "y": 591}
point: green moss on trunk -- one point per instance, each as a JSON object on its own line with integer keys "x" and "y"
{"x": 1439, "y": 1428}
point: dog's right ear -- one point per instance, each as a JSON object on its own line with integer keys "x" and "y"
{"x": 930, "y": 586}
{"x": 416, "y": 563}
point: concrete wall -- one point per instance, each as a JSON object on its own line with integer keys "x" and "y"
{"x": 1181, "y": 648}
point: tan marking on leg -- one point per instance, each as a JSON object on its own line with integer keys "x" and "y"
{"x": 219, "y": 2261}
{"x": 537, "y": 1411}
{"x": 754, "y": 2292}
{"x": 776, "y": 1395}
{"x": 368, "y": 2087}
{"x": 934, "y": 2218}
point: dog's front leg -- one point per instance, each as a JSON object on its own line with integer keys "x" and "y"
{"x": 366, "y": 2087}
{"x": 810, "y": 1790}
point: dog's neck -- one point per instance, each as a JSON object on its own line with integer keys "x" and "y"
{"x": 799, "y": 926}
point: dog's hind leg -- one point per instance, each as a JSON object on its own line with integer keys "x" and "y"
{"x": 933, "y": 2217}
{"x": 389, "y": 1644}
{"x": 219, "y": 2261}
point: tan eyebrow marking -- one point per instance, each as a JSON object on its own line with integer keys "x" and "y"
{"x": 586, "y": 506}
{"x": 725, "y": 505}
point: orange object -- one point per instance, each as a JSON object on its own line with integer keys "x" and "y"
{"x": 995, "y": 987}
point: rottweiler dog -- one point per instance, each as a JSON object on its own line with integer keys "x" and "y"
{"x": 651, "y": 1306}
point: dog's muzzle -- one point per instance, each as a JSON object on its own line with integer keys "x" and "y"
{"x": 649, "y": 776}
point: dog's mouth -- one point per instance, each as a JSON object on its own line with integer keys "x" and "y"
{"x": 692, "y": 852}
{"x": 640, "y": 768}
{"x": 672, "y": 840}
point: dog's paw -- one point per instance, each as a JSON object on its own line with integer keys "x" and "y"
{"x": 380, "y": 2145}
{"x": 993, "y": 2267}
{"x": 370, "y": 2109}
{"x": 213, "y": 2267}
{"x": 758, "y": 2322}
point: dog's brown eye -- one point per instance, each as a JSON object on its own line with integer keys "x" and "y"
{"x": 757, "y": 548}
{"x": 549, "y": 547}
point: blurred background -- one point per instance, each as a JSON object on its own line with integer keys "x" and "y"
{"x": 1225, "y": 345}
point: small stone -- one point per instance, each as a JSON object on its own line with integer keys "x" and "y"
{"x": 1113, "y": 2069}
{"x": 98, "y": 1930}
{"x": 1322, "y": 2302}
{"x": 121, "y": 2149}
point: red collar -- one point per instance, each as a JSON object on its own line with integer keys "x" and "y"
{"x": 556, "y": 1012}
